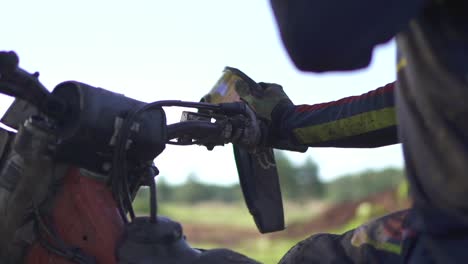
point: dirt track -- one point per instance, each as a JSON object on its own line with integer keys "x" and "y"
{"x": 334, "y": 217}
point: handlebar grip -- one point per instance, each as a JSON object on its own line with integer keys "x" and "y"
{"x": 8, "y": 62}
{"x": 193, "y": 128}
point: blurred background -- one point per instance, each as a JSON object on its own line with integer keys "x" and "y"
{"x": 155, "y": 50}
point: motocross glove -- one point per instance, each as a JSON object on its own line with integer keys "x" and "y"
{"x": 270, "y": 103}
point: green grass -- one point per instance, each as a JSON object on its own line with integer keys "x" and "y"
{"x": 232, "y": 214}
{"x": 209, "y": 214}
{"x": 229, "y": 218}
{"x": 266, "y": 249}
{"x": 263, "y": 250}
{"x": 222, "y": 215}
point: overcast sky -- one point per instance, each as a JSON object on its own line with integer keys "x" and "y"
{"x": 154, "y": 50}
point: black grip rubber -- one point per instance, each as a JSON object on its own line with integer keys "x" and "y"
{"x": 8, "y": 61}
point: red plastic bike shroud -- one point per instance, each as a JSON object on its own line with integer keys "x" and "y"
{"x": 85, "y": 215}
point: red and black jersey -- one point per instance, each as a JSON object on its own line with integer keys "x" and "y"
{"x": 431, "y": 101}
{"x": 361, "y": 121}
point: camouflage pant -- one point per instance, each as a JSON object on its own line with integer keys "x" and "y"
{"x": 379, "y": 241}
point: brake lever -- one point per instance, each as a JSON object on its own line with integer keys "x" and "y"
{"x": 219, "y": 134}
{"x": 232, "y": 123}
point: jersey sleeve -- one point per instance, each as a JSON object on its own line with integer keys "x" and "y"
{"x": 364, "y": 121}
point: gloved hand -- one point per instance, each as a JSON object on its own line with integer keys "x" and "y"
{"x": 270, "y": 103}
{"x": 265, "y": 99}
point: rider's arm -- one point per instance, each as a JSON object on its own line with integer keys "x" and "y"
{"x": 361, "y": 121}
{"x": 326, "y": 35}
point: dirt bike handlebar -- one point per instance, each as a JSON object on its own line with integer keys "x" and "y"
{"x": 114, "y": 135}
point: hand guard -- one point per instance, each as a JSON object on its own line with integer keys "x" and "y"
{"x": 267, "y": 100}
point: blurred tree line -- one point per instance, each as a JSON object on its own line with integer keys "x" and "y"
{"x": 360, "y": 185}
{"x": 298, "y": 183}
